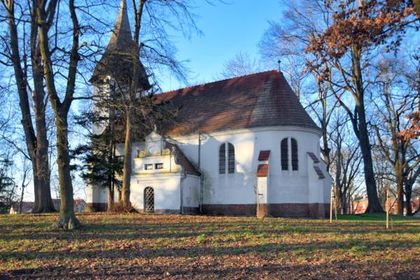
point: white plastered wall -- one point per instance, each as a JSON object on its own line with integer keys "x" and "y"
{"x": 239, "y": 188}
{"x": 190, "y": 185}
{"x": 166, "y": 191}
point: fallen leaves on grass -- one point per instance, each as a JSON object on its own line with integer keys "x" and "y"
{"x": 188, "y": 247}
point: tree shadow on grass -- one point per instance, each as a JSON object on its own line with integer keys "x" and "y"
{"x": 133, "y": 251}
{"x": 121, "y": 231}
{"x": 341, "y": 270}
{"x": 133, "y": 232}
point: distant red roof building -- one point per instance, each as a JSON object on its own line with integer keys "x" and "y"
{"x": 360, "y": 206}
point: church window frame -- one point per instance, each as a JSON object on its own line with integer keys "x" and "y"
{"x": 231, "y": 158}
{"x": 227, "y": 160}
{"x": 222, "y": 159}
{"x": 284, "y": 151}
{"x": 295, "y": 154}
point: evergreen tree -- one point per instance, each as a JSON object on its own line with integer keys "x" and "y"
{"x": 7, "y": 186}
{"x": 100, "y": 164}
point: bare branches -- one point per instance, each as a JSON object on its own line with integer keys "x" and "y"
{"x": 241, "y": 64}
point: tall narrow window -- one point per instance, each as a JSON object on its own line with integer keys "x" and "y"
{"x": 295, "y": 160}
{"x": 222, "y": 159}
{"x": 231, "y": 158}
{"x": 284, "y": 155}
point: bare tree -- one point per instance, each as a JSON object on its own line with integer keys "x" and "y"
{"x": 22, "y": 52}
{"x": 399, "y": 98}
{"x": 345, "y": 48}
{"x": 336, "y": 40}
{"x": 241, "y": 64}
{"x": 24, "y": 183}
{"x": 345, "y": 163}
{"x": 45, "y": 13}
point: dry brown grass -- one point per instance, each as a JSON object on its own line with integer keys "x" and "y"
{"x": 120, "y": 246}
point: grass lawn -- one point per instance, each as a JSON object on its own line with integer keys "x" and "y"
{"x": 188, "y": 247}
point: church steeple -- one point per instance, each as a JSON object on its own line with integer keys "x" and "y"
{"x": 117, "y": 60}
{"x": 121, "y": 36}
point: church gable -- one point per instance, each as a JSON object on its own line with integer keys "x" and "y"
{"x": 161, "y": 156}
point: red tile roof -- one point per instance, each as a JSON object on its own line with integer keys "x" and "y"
{"x": 256, "y": 100}
{"x": 262, "y": 170}
{"x": 264, "y": 155}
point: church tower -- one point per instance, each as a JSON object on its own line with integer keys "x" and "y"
{"x": 112, "y": 77}
{"x": 113, "y": 73}
{"x": 117, "y": 61}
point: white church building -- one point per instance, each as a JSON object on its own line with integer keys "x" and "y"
{"x": 240, "y": 146}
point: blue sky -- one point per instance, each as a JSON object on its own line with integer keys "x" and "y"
{"x": 228, "y": 29}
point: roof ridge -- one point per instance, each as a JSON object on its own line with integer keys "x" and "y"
{"x": 219, "y": 81}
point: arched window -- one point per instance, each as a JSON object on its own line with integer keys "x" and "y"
{"x": 231, "y": 158}
{"x": 222, "y": 159}
{"x": 284, "y": 155}
{"x": 295, "y": 160}
{"x": 226, "y": 157}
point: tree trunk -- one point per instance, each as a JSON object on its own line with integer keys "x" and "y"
{"x": 349, "y": 203}
{"x": 41, "y": 171}
{"x": 408, "y": 189}
{"x": 374, "y": 205}
{"x": 400, "y": 188}
{"x": 344, "y": 203}
{"x": 22, "y": 192}
{"x": 111, "y": 159}
{"x": 43, "y": 201}
{"x": 67, "y": 219}
{"x": 127, "y": 160}
{"x": 408, "y": 207}
{"x": 361, "y": 131}
{"x": 325, "y": 150}
{"x": 110, "y": 206}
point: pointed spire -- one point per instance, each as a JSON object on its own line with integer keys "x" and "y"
{"x": 117, "y": 61}
{"x": 121, "y": 36}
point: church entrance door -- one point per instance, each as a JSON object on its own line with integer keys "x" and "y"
{"x": 149, "y": 200}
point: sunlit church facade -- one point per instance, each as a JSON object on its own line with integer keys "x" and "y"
{"x": 240, "y": 146}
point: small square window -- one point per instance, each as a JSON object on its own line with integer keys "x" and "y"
{"x": 159, "y": 166}
{"x": 148, "y": 167}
